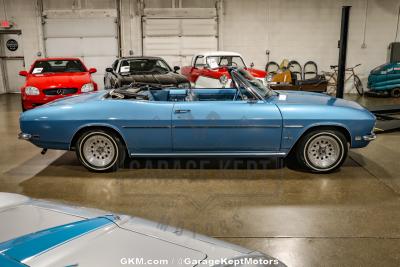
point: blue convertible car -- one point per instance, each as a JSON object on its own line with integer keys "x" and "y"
{"x": 246, "y": 120}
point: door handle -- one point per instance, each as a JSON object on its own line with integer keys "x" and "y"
{"x": 182, "y": 110}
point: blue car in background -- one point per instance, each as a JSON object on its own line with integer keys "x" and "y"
{"x": 247, "y": 120}
{"x": 385, "y": 79}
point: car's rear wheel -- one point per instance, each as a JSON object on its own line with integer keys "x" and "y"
{"x": 322, "y": 150}
{"x": 100, "y": 151}
{"x": 395, "y": 92}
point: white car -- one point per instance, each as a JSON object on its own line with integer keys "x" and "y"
{"x": 207, "y": 69}
{"x": 41, "y": 233}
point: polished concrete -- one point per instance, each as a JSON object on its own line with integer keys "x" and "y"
{"x": 347, "y": 218}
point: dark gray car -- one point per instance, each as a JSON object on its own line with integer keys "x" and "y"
{"x": 143, "y": 70}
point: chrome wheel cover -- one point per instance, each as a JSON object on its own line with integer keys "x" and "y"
{"x": 99, "y": 150}
{"x": 324, "y": 152}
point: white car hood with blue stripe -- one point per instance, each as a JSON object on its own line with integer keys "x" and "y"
{"x": 38, "y": 233}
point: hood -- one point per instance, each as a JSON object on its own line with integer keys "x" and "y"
{"x": 170, "y": 78}
{"x": 308, "y": 98}
{"x": 41, "y": 233}
{"x": 54, "y": 80}
{"x": 387, "y": 68}
{"x": 70, "y": 100}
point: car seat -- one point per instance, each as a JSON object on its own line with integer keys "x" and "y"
{"x": 310, "y": 70}
{"x": 72, "y": 66}
{"x": 272, "y": 67}
{"x": 296, "y": 69}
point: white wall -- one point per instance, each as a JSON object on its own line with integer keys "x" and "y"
{"x": 309, "y": 30}
{"x": 24, "y": 15}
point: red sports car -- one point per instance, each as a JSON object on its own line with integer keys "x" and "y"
{"x": 52, "y": 78}
{"x": 207, "y": 68}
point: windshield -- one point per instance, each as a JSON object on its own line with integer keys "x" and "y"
{"x": 47, "y": 66}
{"x": 225, "y": 61}
{"x": 255, "y": 84}
{"x": 140, "y": 65}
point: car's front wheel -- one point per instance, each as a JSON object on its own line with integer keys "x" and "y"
{"x": 322, "y": 150}
{"x": 100, "y": 151}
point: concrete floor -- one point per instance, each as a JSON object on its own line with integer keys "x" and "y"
{"x": 347, "y": 218}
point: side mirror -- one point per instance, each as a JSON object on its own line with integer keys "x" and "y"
{"x": 109, "y": 69}
{"x": 176, "y": 68}
{"x": 251, "y": 65}
{"x": 23, "y": 73}
{"x": 92, "y": 70}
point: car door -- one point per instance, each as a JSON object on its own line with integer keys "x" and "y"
{"x": 197, "y": 69}
{"x": 226, "y": 126}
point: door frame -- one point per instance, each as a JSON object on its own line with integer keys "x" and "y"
{"x": 269, "y": 124}
{"x": 4, "y": 74}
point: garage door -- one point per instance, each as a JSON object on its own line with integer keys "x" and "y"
{"x": 177, "y": 39}
{"x": 94, "y": 40}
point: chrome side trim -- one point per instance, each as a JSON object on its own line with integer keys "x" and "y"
{"x": 147, "y": 126}
{"x": 228, "y": 126}
{"x": 369, "y": 137}
{"x": 217, "y": 154}
{"x": 201, "y": 126}
{"x": 293, "y": 126}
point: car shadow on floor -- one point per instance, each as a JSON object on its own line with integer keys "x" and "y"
{"x": 67, "y": 165}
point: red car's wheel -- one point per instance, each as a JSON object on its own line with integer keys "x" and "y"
{"x": 22, "y": 106}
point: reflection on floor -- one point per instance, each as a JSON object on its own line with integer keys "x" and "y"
{"x": 347, "y": 218}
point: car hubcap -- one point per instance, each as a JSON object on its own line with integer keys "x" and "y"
{"x": 323, "y": 152}
{"x": 98, "y": 150}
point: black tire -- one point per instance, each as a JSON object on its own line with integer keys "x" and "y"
{"x": 358, "y": 85}
{"x": 335, "y": 145}
{"x": 395, "y": 92}
{"x": 111, "y": 142}
{"x": 22, "y": 107}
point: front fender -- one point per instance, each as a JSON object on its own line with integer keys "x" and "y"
{"x": 355, "y": 122}
{"x": 292, "y": 133}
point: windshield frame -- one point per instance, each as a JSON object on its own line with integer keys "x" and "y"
{"x": 238, "y": 79}
{"x": 34, "y": 66}
{"x": 129, "y": 59}
{"x": 221, "y": 56}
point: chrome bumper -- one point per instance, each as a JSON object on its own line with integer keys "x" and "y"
{"x": 369, "y": 137}
{"x": 24, "y": 136}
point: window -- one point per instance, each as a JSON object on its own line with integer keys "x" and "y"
{"x": 115, "y": 65}
{"x": 135, "y": 65}
{"x": 225, "y": 61}
{"x": 163, "y": 64}
{"x": 199, "y": 62}
{"x": 47, "y": 66}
